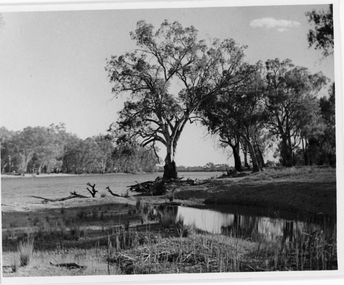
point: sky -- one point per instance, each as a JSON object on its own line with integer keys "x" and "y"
{"x": 52, "y": 63}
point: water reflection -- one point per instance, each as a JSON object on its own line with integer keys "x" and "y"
{"x": 244, "y": 226}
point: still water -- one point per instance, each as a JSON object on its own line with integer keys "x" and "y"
{"x": 18, "y": 190}
{"x": 252, "y": 226}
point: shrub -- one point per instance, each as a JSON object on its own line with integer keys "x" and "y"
{"x": 25, "y": 250}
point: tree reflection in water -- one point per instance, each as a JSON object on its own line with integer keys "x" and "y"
{"x": 255, "y": 228}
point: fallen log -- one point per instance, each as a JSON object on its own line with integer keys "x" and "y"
{"x": 71, "y": 196}
{"x": 160, "y": 186}
{"x": 141, "y": 187}
{"x": 156, "y": 187}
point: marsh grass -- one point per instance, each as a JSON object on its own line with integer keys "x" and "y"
{"x": 25, "y": 250}
{"x": 152, "y": 252}
{"x": 194, "y": 254}
{"x": 306, "y": 251}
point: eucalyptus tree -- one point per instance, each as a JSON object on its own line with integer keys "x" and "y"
{"x": 166, "y": 79}
{"x": 290, "y": 93}
{"x": 237, "y": 114}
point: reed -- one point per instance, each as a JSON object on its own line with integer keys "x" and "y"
{"x": 25, "y": 250}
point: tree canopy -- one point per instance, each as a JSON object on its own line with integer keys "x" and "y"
{"x": 168, "y": 59}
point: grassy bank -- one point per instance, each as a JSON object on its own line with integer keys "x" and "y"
{"x": 132, "y": 238}
{"x": 307, "y": 190}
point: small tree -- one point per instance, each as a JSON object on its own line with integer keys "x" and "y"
{"x": 168, "y": 59}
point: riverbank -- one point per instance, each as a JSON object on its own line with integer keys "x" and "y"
{"x": 307, "y": 190}
{"x": 66, "y": 230}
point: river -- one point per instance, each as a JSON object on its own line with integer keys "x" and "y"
{"x": 19, "y": 190}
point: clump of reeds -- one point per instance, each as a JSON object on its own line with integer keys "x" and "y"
{"x": 306, "y": 251}
{"x": 25, "y": 250}
{"x": 197, "y": 253}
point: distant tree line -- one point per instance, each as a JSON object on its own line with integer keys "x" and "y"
{"x": 52, "y": 149}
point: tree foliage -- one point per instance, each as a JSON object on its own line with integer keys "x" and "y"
{"x": 52, "y": 149}
{"x": 238, "y": 114}
{"x": 322, "y": 35}
{"x": 276, "y": 104}
{"x": 291, "y": 103}
{"x": 168, "y": 57}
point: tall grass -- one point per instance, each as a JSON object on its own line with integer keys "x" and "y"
{"x": 306, "y": 251}
{"x": 25, "y": 250}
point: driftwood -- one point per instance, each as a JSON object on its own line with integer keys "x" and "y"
{"x": 142, "y": 187}
{"x": 70, "y": 265}
{"x": 113, "y": 194}
{"x": 156, "y": 187}
{"x": 161, "y": 187}
{"x": 93, "y": 191}
{"x": 71, "y": 196}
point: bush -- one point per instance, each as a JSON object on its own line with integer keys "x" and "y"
{"x": 25, "y": 250}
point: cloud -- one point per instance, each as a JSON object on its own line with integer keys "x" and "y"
{"x": 271, "y": 23}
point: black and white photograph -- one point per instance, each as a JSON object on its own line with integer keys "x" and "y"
{"x": 192, "y": 139}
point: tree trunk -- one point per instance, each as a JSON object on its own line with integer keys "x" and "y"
{"x": 237, "y": 160}
{"x": 260, "y": 156}
{"x": 253, "y": 155}
{"x": 246, "y": 165}
{"x": 170, "y": 169}
{"x": 304, "y": 148}
{"x": 286, "y": 152}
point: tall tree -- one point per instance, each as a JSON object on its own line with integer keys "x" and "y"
{"x": 290, "y": 90}
{"x": 168, "y": 59}
{"x": 322, "y": 35}
{"x": 238, "y": 114}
